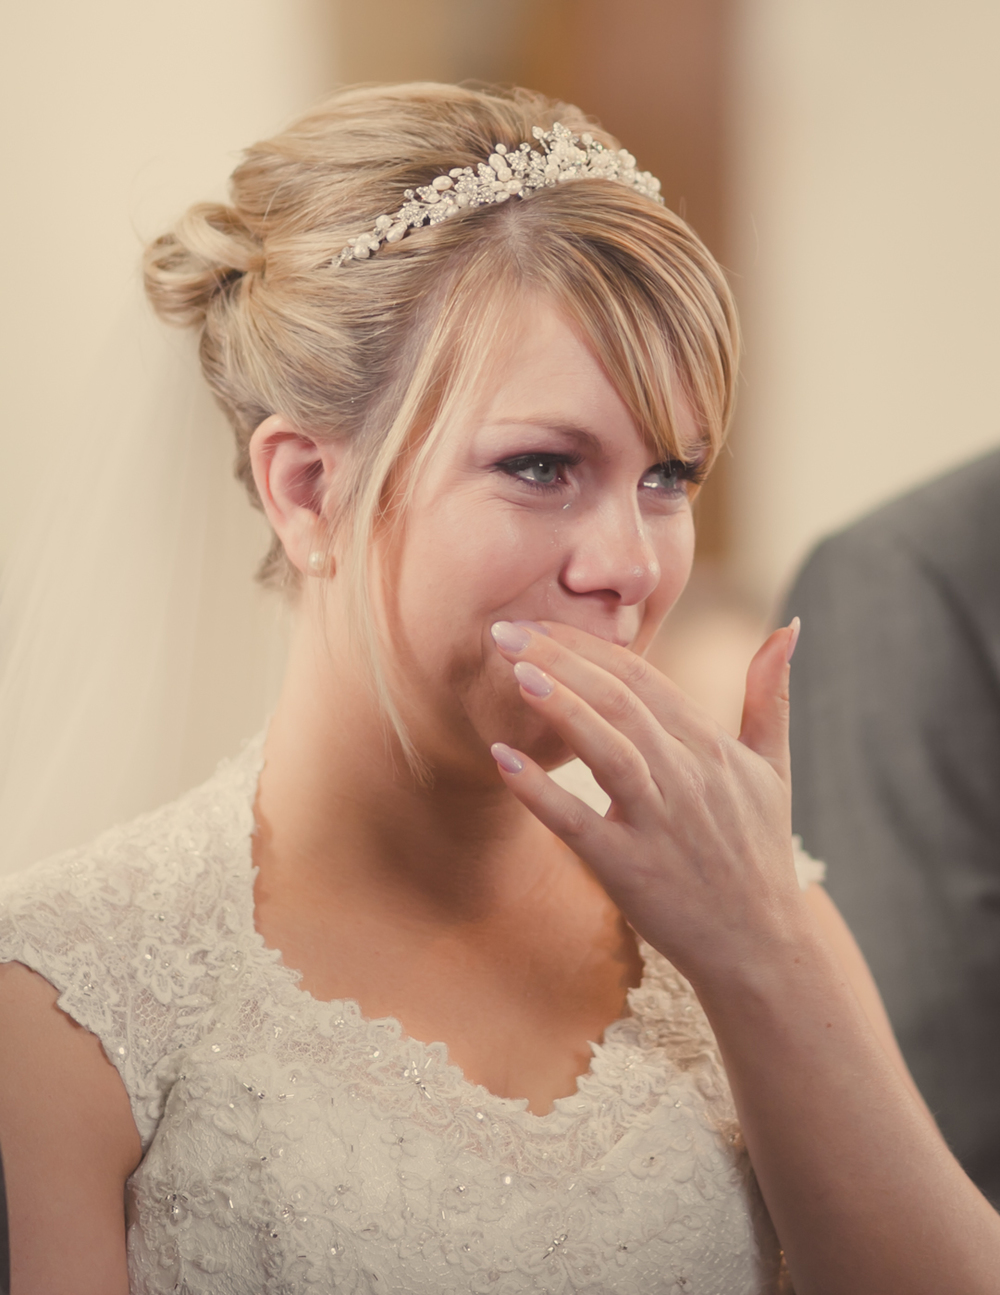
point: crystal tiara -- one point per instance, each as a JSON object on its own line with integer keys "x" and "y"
{"x": 507, "y": 174}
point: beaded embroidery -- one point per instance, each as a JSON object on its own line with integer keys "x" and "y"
{"x": 561, "y": 156}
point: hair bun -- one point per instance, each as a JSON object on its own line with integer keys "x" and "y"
{"x": 208, "y": 248}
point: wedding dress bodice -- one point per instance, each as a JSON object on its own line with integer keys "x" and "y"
{"x": 293, "y": 1145}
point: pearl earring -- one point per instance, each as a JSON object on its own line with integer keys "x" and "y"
{"x": 319, "y": 563}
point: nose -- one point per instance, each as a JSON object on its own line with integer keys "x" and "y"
{"x": 610, "y": 554}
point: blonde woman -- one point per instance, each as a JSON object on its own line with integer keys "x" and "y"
{"x": 384, "y": 1006}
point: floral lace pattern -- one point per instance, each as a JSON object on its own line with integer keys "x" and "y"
{"x": 292, "y": 1144}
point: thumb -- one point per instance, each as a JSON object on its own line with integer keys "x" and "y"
{"x": 764, "y": 727}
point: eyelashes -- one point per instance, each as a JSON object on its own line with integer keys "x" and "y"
{"x": 674, "y": 472}
{"x": 550, "y": 469}
{"x": 547, "y": 472}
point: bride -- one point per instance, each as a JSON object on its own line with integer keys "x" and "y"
{"x": 384, "y": 1006}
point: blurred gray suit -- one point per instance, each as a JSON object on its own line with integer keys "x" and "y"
{"x": 896, "y": 767}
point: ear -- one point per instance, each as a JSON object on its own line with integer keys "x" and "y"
{"x": 295, "y": 474}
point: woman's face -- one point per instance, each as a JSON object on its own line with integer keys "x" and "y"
{"x": 545, "y": 504}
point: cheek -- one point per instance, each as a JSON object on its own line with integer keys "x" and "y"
{"x": 675, "y": 553}
{"x": 460, "y": 566}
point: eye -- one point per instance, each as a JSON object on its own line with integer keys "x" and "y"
{"x": 542, "y": 471}
{"x": 671, "y": 476}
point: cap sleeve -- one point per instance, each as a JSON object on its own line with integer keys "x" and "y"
{"x": 74, "y": 923}
{"x": 112, "y": 930}
{"x": 143, "y": 932}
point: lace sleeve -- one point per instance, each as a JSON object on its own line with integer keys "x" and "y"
{"x": 143, "y": 932}
{"x": 73, "y": 923}
{"x": 111, "y": 928}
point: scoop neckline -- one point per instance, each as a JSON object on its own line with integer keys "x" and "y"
{"x": 326, "y": 1012}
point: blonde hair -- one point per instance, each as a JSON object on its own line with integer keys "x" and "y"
{"x": 378, "y": 352}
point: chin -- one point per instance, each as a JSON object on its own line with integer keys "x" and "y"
{"x": 542, "y": 743}
{"x": 550, "y": 752}
{"x": 503, "y": 716}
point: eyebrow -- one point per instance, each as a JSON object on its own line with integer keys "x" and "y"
{"x": 572, "y": 431}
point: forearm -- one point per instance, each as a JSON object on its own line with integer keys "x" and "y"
{"x": 865, "y": 1195}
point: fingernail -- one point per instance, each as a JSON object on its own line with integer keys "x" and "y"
{"x": 532, "y": 680}
{"x": 509, "y": 636}
{"x": 534, "y": 627}
{"x": 795, "y": 627}
{"x": 507, "y": 759}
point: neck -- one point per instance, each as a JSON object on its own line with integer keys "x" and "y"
{"x": 340, "y": 813}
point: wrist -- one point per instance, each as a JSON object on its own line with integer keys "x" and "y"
{"x": 769, "y": 963}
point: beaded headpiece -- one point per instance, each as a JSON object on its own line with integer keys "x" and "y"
{"x": 560, "y": 156}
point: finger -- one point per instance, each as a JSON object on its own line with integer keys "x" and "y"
{"x": 764, "y": 728}
{"x": 592, "y": 838}
{"x": 604, "y": 692}
{"x": 578, "y": 659}
{"x": 582, "y": 828}
{"x": 613, "y": 758}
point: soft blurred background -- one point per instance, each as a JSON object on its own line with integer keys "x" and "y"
{"x": 839, "y": 156}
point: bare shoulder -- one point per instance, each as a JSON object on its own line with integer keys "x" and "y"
{"x": 69, "y": 1143}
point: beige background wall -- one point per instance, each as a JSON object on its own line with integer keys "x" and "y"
{"x": 867, "y": 232}
{"x": 115, "y": 116}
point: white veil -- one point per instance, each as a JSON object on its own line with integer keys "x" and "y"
{"x": 135, "y": 649}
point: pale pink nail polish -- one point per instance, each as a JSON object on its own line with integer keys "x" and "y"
{"x": 795, "y": 627}
{"x": 509, "y": 636}
{"x": 532, "y": 680}
{"x": 507, "y": 759}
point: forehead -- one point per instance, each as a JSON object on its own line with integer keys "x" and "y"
{"x": 548, "y": 370}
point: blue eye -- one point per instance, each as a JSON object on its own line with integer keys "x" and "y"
{"x": 671, "y": 476}
{"x": 540, "y": 470}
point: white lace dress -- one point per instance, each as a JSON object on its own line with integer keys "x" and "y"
{"x": 291, "y": 1145}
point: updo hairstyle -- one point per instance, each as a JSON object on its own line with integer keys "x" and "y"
{"x": 378, "y": 351}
